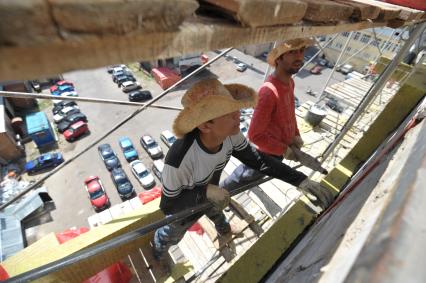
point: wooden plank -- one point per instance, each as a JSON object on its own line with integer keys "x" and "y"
{"x": 255, "y": 262}
{"x": 58, "y": 19}
{"x": 327, "y": 11}
{"x": 257, "y": 13}
{"x": 218, "y": 242}
{"x": 386, "y": 12}
{"x": 362, "y": 11}
{"x": 85, "y": 51}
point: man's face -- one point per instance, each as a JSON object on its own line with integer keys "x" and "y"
{"x": 226, "y": 125}
{"x": 291, "y": 62}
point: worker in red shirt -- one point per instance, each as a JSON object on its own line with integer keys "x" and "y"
{"x": 273, "y": 128}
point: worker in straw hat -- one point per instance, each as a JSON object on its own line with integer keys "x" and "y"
{"x": 208, "y": 134}
{"x": 273, "y": 128}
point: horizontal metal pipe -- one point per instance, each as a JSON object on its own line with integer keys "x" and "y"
{"x": 82, "y": 99}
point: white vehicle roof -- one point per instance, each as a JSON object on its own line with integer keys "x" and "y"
{"x": 167, "y": 134}
{"x": 127, "y": 83}
{"x": 138, "y": 166}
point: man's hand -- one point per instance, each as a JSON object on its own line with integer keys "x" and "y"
{"x": 323, "y": 195}
{"x": 289, "y": 154}
{"x": 218, "y": 196}
{"x": 297, "y": 142}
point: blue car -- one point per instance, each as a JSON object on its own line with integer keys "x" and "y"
{"x": 44, "y": 161}
{"x": 58, "y": 90}
{"x": 128, "y": 149}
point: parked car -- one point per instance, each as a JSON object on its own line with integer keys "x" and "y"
{"x": 151, "y": 146}
{"x": 71, "y": 93}
{"x": 128, "y": 149}
{"x": 142, "y": 174}
{"x": 121, "y": 79}
{"x": 76, "y": 130}
{"x": 167, "y": 137}
{"x": 69, "y": 120}
{"x": 316, "y": 70}
{"x": 121, "y": 181}
{"x": 129, "y": 86}
{"x": 157, "y": 168}
{"x": 323, "y": 62}
{"x": 44, "y": 161}
{"x": 118, "y": 74}
{"x": 335, "y": 105}
{"x": 241, "y": 67}
{"x": 108, "y": 156}
{"x": 296, "y": 102}
{"x": 64, "y": 112}
{"x": 111, "y": 68}
{"x": 65, "y": 82}
{"x": 97, "y": 194}
{"x": 58, "y": 90}
{"x": 35, "y": 84}
{"x": 346, "y": 69}
{"x": 243, "y": 129}
{"x": 140, "y": 95}
{"x": 61, "y": 105}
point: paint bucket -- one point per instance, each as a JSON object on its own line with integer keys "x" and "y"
{"x": 315, "y": 115}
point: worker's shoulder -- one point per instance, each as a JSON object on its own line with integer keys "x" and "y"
{"x": 179, "y": 150}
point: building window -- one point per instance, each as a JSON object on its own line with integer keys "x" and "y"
{"x": 345, "y": 34}
{"x": 376, "y": 42}
{"x": 365, "y": 38}
{"x": 357, "y": 35}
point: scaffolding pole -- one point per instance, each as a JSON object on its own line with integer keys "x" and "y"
{"x": 82, "y": 99}
{"x": 335, "y": 66}
{"x": 375, "y": 88}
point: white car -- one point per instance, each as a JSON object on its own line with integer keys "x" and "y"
{"x": 129, "y": 86}
{"x": 142, "y": 174}
{"x": 241, "y": 67}
{"x": 157, "y": 168}
{"x": 70, "y": 93}
{"x": 57, "y": 118}
{"x": 151, "y": 146}
{"x": 168, "y": 137}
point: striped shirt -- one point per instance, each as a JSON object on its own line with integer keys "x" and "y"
{"x": 189, "y": 167}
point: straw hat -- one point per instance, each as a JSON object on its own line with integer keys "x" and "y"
{"x": 287, "y": 46}
{"x": 209, "y": 99}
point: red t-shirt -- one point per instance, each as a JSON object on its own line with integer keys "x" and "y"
{"x": 274, "y": 125}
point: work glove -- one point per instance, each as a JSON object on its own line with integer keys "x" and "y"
{"x": 218, "y": 196}
{"x": 324, "y": 196}
{"x": 297, "y": 142}
{"x": 289, "y": 154}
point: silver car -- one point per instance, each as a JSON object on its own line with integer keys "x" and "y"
{"x": 142, "y": 174}
{"x": 151, "y": 146}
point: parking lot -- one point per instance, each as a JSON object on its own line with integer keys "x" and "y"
{"x": 72, "y": 206}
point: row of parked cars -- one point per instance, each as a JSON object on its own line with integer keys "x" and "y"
{"x": 70, "y": 121}
{"x": 125, "y": 80}
{"x": 125, "y": 189}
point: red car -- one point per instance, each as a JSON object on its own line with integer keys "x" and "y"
{"x": 316, "y": 70}
{"x": 97, "y": 195}
{"x": 64, "y": 82}
{"x": 76, "y": 130}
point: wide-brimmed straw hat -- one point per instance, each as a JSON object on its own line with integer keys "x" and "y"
{"x": 209, "y": 99}
{"x": 287, "y": 46}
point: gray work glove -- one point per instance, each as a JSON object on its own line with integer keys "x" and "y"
{"x": 323, "y": 195}
{"x": 218, "y": 196}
